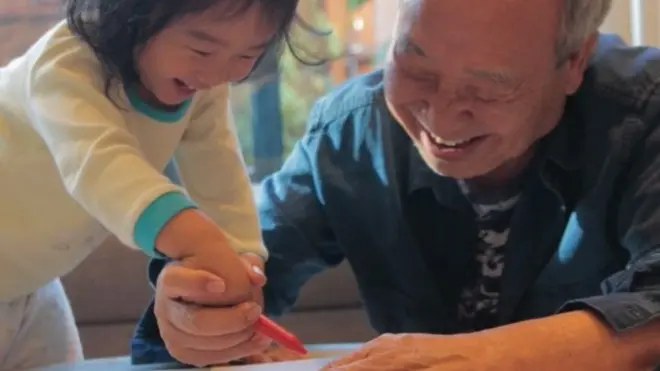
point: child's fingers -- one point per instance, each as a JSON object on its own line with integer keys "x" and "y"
{"x": 254, "y": 263}
{"x": 190, "y": 284}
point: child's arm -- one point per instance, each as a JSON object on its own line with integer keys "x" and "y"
{"x": 103, "y": 169}
{"x": 211, "y": 167}
{"x": 99, "y": 160}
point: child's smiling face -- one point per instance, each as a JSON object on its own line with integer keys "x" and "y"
{"x": 200, "y": 51}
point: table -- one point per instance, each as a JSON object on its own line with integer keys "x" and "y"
{"x": 325, "y": 351}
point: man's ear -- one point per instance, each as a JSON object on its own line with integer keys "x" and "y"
{"x": 577, "y": 63}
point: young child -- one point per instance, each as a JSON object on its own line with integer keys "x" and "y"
{"x": 89, "y": 117}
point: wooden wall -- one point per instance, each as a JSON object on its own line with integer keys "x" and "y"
{"x": 22, "y": 22}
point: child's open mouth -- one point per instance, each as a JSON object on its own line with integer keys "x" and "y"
{"x": 184, "y": 88}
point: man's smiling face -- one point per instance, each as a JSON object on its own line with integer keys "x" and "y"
{"x": 475, "y": 83}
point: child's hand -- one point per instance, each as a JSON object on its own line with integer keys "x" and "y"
{"x": 197, "y": 243}
{"x": 202, "y": 288}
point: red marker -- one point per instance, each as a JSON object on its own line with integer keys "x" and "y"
{"x": 283, "y": 337}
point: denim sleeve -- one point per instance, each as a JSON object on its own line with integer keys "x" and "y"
{"x": 299, "y": 240}
{"x": 147, "y": 346}
{"x": 632, "y": 296}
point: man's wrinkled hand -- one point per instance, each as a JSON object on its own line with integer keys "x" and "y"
{"x": 199, "y": 334}
{"x": 416, "y": 352}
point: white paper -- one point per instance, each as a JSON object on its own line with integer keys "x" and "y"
{"x": 319, "y": 356}
{"x": 314, "y": 364}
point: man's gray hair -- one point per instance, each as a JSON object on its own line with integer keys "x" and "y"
{"x": 579, "y": 20}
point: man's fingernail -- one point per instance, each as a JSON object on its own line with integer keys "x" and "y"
{"x": 216, "y": 286}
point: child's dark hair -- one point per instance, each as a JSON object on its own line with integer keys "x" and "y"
{"x": 115, "y": 29}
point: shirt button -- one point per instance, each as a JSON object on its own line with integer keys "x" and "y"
{"x": 635, "y": 314}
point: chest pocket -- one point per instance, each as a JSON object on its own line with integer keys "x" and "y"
{"x": 589, "y": 250}
{"x": 581, "y": 258}
{"x": 580, "y": 264}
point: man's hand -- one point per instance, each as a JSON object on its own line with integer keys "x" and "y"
{"x": 202, "y": 335}
{"x": 254, "y": 264}
{"x": 417, "y": 352}
{"x": 569, "y": 341}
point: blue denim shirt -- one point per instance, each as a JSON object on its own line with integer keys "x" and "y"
{"x": 584, "y": 235}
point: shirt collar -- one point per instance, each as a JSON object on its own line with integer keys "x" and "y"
{"x": 564, "y": 145}
{"x": 446, "y": 190}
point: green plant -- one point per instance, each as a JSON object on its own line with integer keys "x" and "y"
{"x": 303, "y": 85}
{"x": 354, "y": 4}
{"x": 300, "y": 85}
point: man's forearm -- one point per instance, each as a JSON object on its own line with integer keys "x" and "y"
{"x": 576, "y": 341}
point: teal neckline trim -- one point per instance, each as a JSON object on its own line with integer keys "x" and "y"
{"x": 157, "y": 114}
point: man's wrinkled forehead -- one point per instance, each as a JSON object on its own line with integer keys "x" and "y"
{"x": 515, "y": 26}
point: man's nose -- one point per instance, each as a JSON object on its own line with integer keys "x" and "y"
{"x": 449, "y": 105}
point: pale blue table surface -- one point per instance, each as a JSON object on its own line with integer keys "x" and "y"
{"x": 124, "y": 364}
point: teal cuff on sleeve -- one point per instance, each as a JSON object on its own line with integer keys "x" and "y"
{"x": 155, "y": 216}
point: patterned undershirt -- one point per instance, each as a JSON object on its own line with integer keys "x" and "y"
{"x": 477, "y": 309}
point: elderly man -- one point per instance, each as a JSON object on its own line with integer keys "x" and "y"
{"x": 495, "y": 189}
